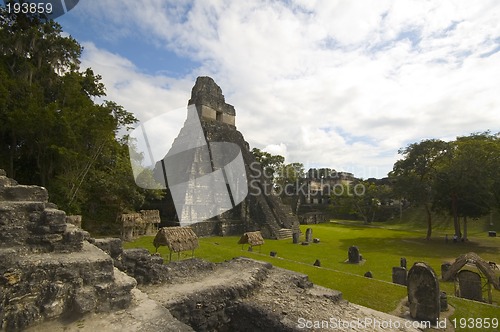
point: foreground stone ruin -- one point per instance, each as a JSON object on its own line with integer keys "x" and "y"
{"x": 55, "y": 277}
{"x": 49, "y": 269}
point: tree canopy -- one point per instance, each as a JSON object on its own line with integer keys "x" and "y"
{"x": 458, "y": 177}
{"x": 56, "y": 130}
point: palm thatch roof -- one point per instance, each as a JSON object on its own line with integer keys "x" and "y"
{"x": 474, "y": 259}
{"x": 177, "y": 239}
{"x": 131, "y": 219}
{"x": 252, "y": 238}
{"x": 151, "y": 216}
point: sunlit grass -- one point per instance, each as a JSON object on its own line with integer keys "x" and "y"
{"x": 381, "y": 248}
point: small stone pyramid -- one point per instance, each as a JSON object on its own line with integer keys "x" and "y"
{"x": 47, "y": 268}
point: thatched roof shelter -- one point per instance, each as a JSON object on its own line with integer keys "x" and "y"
{"x": 252, "y": 238}
{"x": 131, "y": 219}
{"x": 151, "y": 216}
{"x": 177, "y": 239}
{"x": 473, "y": 259}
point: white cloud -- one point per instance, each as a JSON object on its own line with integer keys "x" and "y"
{"x": 145, "y": 95}
{"x": 277, "y": 149}
{"x": 340, "y": 84}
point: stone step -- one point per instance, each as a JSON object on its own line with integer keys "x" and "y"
{"x": 200, "y": 300}
{"x": 285, "y": 233}
{"x": 50, "y": 285}
{"x": 116, "y": 294}
{"x": 24, "y": 193}
{"x": 15, "y": 218}
{"x": 144, "y": 314}
{"x": 88, "y": 266}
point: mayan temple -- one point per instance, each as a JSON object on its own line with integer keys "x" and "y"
{"x": 258, "y": 209}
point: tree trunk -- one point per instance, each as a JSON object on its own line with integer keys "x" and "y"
{"x": 456, "y": 221}
{"x": 465, "y": 229}
{"x": 429, "y": 222}
{"x": 400, "y": 209}
{"x": 12, "y": 154}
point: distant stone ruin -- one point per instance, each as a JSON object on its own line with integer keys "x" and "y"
{"x": 261, "y": 210}
{"x": 139, "y": 224}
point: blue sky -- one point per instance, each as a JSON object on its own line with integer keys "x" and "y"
{"x": 340, "y": 84}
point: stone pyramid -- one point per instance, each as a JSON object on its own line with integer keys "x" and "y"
{"x": 260, "y": 209}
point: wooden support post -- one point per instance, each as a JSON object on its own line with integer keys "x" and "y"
{"x": 490, "y": 295}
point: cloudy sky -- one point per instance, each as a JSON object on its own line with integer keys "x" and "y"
{"x": 340, "y": 84}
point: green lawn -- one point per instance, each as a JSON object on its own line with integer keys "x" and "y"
{"x": 381, "y": 248}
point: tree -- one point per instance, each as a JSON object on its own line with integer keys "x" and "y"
{"x": 288, "y": 177}
{"x": 271, "y": 164}
{"x": 465, "y": 182}
{"x": 52, "y": 132}
{"x": 361, "y": 199}
{"x": 414, "y": 175}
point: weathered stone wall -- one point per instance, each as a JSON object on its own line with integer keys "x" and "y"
{"x": 47, "y": 268}
{"x": 218, "y": 228}
{"x": 138, "y": 263}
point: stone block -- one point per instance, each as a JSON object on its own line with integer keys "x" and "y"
{"x": 353, "y": 255}
{"x": 112, "y": 246}
{"x": 53, "y": 217}
{"x": 39, "y": 229}
{"x": 445, "y": 267}
{"x": 443, "y": 301}
{"x": 399, "y": 275}
{"x": 7, "y": 182}
{"x": 54, "y": 297}
{"x": 21, "y": 193}
{"x": 309, "y": 235}
{"x": 57, "y": 228}
{"x": 51, "y": 238}
{"x": 470, "y": 285}
{"x": 143, "y": 266}
{"x": 423, "y": 293}
{"x": 85, "y": 300}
